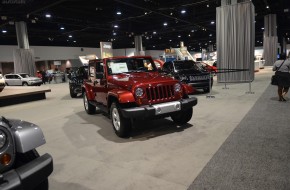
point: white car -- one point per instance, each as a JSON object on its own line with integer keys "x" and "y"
{"x": 2, "y": 82}
{"x": 21, "y": 79}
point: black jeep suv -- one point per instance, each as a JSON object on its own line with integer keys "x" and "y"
{"x": 187, "y": 71}
{"x": 76, "y": 78}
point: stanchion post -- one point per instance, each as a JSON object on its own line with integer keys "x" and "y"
{"x": 209, "y": 95}
{"x": 226, "y": 81}
{"x": 250, "y": 87}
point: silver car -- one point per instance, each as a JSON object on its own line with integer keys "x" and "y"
{"x": 21, "y": 79}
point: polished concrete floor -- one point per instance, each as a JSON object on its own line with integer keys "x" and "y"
{"x": 160, "y": 155}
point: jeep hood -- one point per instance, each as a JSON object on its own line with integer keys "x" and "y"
{"x": 132, "y": 79}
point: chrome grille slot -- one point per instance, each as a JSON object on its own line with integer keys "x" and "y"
{"x": 159, "y": 93}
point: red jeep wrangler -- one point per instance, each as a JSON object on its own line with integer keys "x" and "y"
{"x": 129, "y": 88}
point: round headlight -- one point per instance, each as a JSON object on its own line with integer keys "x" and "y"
{"x": 139, "y": 92}
{"x": 2, "y": 139}
{"x": 177, "y": 87}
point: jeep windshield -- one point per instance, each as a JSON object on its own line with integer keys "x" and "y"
{"x": 186, "y": 65}
{"x": 129, "y": 65}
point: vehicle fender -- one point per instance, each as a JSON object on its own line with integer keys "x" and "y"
{"x": 27, "y": 135}
{"x": 89, "y": 91}
{"x": 123, "y": 96}
{"x": 187, "y": 89}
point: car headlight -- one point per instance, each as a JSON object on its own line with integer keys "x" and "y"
{"x": 2, "y": 139}
{"x": 177, "y": 87}
{"x": 139, "y": 92}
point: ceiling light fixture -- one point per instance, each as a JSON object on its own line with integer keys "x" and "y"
{"x": 207, "y": 5}
{"x": 48, "y": 15}
{"x": 165, "y": 24}
{"x": 62, "y": 28}
{"x": 75, "y": 41}
{"x": 154, "y": 32}
{"x": 267, "y": 7}
{"x": 4, "y": 31}
{"x": 116, "y": 26}
{"x": 70, "y": 36}
{"x": 119, "y": 13}
{"x": 212, "y": 22}
{"x": 183, "y": 11}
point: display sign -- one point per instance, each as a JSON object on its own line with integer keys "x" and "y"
{"x": 119, "y": 67}
{"x": 106, "y": 49}
{"x": 57, "y": 62}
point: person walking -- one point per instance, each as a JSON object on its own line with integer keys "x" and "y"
{"x": 282, "y": 68}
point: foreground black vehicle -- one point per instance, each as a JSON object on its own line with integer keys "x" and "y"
{"x": 190, "y": 73}
{"x": 21, "y": 167}
{"x": 76, "y": 79}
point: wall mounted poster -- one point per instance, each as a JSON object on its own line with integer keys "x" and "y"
{"x": 106, "y": 49}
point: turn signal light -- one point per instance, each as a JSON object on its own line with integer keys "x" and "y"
{"x": 5, "y": 159}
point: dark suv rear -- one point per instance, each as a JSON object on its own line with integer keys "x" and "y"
{"x": 76, "y": 79}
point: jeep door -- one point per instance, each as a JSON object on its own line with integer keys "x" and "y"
{"x": 100, "y": 84}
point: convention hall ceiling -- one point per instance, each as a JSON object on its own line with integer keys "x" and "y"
{"x": 162, "y": 23}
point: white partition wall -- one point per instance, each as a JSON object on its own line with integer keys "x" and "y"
{"x": 235, "y": 41}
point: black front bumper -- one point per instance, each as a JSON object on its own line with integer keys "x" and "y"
{"x": 28, "y": 176}
{"x": 150, "y": 111}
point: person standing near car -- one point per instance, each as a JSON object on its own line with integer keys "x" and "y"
{"x": 282, "y": 68}
{"x": 43, "y": 73}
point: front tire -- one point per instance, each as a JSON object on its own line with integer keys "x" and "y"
{"x": 25, "y": 84}
{"x": 90, "y": 109}
{"x": 121, "y": 125}
{"x": 72, "y": 94}
{"x": 182, "y": 117}
{"x": 23, "y": 158}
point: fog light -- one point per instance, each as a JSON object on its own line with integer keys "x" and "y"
{"x": 5, "y": 159}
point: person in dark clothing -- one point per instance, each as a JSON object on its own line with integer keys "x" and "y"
{"x": 282, "y": 68}
{"x": 44, "y": 78}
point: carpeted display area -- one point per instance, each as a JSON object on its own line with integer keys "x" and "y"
{"x": 257, "y": 153}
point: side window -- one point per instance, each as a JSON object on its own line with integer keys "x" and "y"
{"x": 92, "y": 75}
{"x": 99, "y": 67}
{"x": 17, "y": 77}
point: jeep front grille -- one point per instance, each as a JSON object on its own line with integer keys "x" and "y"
{"x": 159, "y": 93}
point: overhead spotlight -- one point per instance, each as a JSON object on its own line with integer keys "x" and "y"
{"x": 70, "y": 36}
{"x": 145, "y": 13}
{"x": 48, "y": 15}
{"x": 170, "y": 40}
{"x": 119, "y": 13}
{"x": 154, "y": 46}
{"x": 183, "y": 11}
{"x": 207, "y": 5}
{"x": 179, "y": 36}
{"x": 33, "y": 21}
{"x": 267, "y": 7}
{"x": 4, "y": 31}
{"x": 188, "y": 35}
{"x": 171, "y": 13}
{"x": 154, "y": 32}
{"x": 165, "y": 24}
{"x": 62, "y": 28}
{"x": 116, "y": 26}
{"x": 262, "y": 28}
{"x": 75, "y": 41}
{"x": 212, "y": 22}
{"x": 114, "y": 33}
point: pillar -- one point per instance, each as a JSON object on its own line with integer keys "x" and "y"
{"x": 138, "y": 45}
{"x": 235, "y": 26}
{"x": 270, "y": 43}
{"x": 24, "y": 61}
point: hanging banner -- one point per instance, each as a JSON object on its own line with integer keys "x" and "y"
{"x": 106, "y": 49}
